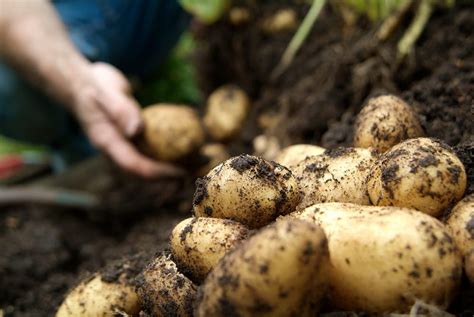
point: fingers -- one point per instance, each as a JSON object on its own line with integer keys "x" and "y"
{"x": 127, "y": 157}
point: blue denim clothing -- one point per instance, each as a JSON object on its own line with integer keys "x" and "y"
{"x": 133, "y": 35}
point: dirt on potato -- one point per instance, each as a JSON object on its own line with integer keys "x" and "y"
{"x": 46, "y": 251}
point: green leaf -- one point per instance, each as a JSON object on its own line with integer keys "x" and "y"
{"x": 208, "y": 11}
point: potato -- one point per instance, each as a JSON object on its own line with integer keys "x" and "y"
{"x": 215, "y": 153}
{"x": 279, "y": 271}
{"x": 384, "y": 122}
{"x": 293, "y": 154}
{"x": 226, "y": 111}
{"x": 338, "y": 175}
{"x": 197, "y": 244}
{"x": 171, "y": 132}
{"x": 239, "y": 16}
{"x": 461, "y": 224}
{"x": 246, "y": 189}
{"x": 95, "y": 297}
{"x": 282, "y": 20}
{"x": 163, "y": 291}
{"x": 422, "y": 173}
{"x": 266, "y": 146}
{"x": 385, "y": 258}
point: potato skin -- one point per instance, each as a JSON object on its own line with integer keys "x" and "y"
{"x": 338, "y": 175}
{"x": 227, "y": 109}
{"x": 279, "y": 271}
{"x": 170, "y": 131}
{"x": 384, "y": 122}
{"x": 383, "y": 258}
{"x": 469, "y": 265}
{"x": 422, "y": 173}
{"x": 247, "y": 189}
{"x": 163, "y": 291}
{"x": 461, "y": 224}
{"x": 293, "y": 154}
{"x": 94, "y": 297}
{"x": 197, "y": 244}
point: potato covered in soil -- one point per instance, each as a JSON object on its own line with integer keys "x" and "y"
{"x": 214, "y": 154}
{"x": 247, "y": 189}
{"x": 339, "y": 175}
{"x": 384, "y": 122}
{"x": 422, "y": 173}
{"x": 461, "y": 224}
{"x": 294, "y": 154}
{"x": 197, "y": 244}
{"x": 226, "y": 111}
{"x": 163, "y": 291}
{"x": 279, "y": 271}
{"x": 171, "y": 132}
{"x": 95, "y": 297}
{"x": 385, "y": 258}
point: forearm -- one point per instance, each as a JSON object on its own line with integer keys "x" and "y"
{"x": 34, "y": 41}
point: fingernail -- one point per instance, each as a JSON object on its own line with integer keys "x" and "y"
{"x": 132, "y": 127}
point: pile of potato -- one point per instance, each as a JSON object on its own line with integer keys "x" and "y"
{"x": 370, "y": 228}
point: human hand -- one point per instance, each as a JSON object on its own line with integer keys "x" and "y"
{"x": 109, "y": 115}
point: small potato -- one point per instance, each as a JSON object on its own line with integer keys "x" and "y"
{"x": 95, "y": 297}
{"x": 239, "y": 16}
{"x": 163, "y": 291}
{"x": 293, "y": 154}
{"x": 197, "y": 244}
{"x": 171, "y": 132}
{"x": 279, "y": 271}
{"x": 226, "y": 111}
{"x": 214, "y": 153}
{"x": 384, "y": 122}
{"x": 422, "y": 173}
{"x": 246, "y": 189}
{"x": 283, "y": 20}
{"x": 266, "y": 146}
{"x": 461, "y": 224}
{"x": 385, "y": 258}
{"x": 339, "y": 175}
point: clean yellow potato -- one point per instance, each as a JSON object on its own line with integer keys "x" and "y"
{"x": 338, "y": 175}
{"x": 197, "y": 244}
{"x": 215, "y": 153}
{"x": 422, "y": 173}
{"x": 384, "y": 122}
{"x": 246, "y": 189}
{"x": 95, "y": 297}
{"x": 461, "y": 224}
{"x": 163, "y": 291}
{"x": 279, "y": 271}
{"x": 227, "y": 109}
{"x": 171, "y": 132}
{"x": 293, "y": 154}
{"x": 384, "y": 258}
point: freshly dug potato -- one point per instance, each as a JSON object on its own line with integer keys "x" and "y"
{"x": 171, "y": 131}
{"x": 384, "y": 258}
{"x": 338, "y": 175}
{"x": 197, "y": 244}
{"x": 384, "y": 122}
{"x": 215, "y": 153}
{"x": 293, "y": 154}
{"x": 461, "y": 224}
{"x": 95, "y": 297}
{"x": 279, "y": 271}
{"x": 246, "y": 189}
{"x": 283, "y": 20}
{"x": 226, "y": 111}
{"x": 266, "y": 146}
{"x": 163, "y": 291}
{"x": 422, "y": 173}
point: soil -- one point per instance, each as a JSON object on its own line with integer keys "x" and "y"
{"x": 46, "y": 250}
